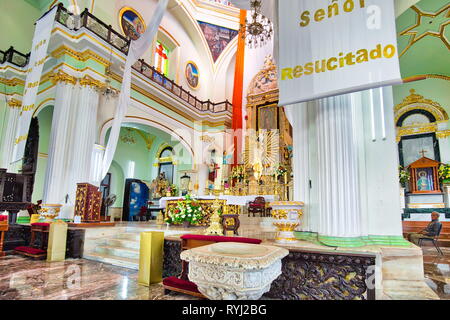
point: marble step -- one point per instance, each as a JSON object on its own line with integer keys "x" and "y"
{"x": 128, "y": 236}
{"x": 114, "y": 260}
{"x": 118, "y": 252}
{"x": 123, "y": 243}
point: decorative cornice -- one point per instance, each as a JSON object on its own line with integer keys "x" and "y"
{"x": 12, "y": 82}
{"x": 416, "y": 101}
{"x": 14, "y": 103}
{"x": 61, "y": 76}
{"x": 443, "y": 134}
{"x": 91, "y": 82}
{"x": 80, "y": 56}
{"x": 417, "y": 129}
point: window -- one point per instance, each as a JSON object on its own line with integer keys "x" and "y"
{"x": 162, "y": 58}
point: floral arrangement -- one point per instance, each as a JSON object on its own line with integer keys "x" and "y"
{"x": 238, "y": 173}
{"x": 280, "y": 171}
{"x": 403, "y": 176}
{"x": 187, "y": 209}
{"x": 173, "y": 190}
{"x": 444, "y": 172}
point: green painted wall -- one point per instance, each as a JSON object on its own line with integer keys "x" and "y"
{"x": 17, "y": 24}
{"x": 143, "y": 159}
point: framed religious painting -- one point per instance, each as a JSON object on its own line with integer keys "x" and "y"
{"x": 192, "y": 75}
{"x": 267, "y": 117}
{"x": 131, "y": 22}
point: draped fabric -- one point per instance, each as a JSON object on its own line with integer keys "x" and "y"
{"x": 38, "y": 55}
{"x": 137, "y": 49}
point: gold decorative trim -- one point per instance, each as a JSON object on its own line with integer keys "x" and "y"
{"x": 21, "y": 138}
{"x": 12, "y": 82}
{"x": 443, "y": 134}
{"x": 416, "y": 101}
{"x": 79, "y": 56}
{"x": 14, "y": 103}
{"x": 91, "y": 82}
{"x": 136, "y": 13}
{"x": 61, "y": 76}
{"x": 414, "y": 34}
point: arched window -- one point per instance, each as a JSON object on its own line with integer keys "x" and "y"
{"x": 413, "y": 147}
{"x": 162, "y": 58}
{"x": 166, "y": 164}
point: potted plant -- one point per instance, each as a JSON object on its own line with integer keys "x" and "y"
{"x": 172, "y": 191}
{"x": 444, "y": 173}
{"x": 279, "y": 171}
{"x": 187, "y": 212}
{"x": 403, "y": 176}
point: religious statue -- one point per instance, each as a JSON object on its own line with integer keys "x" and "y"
{"x": 161, "y": 185}
{"x": 213, "y": 168}
{"x": 423, "y": 183}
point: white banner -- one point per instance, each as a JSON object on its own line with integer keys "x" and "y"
{"x": 137, "y": 49}
{"x": 329, "y": 48}
{"x": 42, "y": 33}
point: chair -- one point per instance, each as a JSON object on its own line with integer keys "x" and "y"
{"x": 257, "y": 206}
{"x": 434, "y": 240}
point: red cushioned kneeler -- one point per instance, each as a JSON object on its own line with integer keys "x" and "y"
{"x": 41, "y": 228}
{"x": 190, "y": 241}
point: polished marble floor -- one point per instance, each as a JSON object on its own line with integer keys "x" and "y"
{"x": 437, "y": 271}
{"x": 24, "y": 279}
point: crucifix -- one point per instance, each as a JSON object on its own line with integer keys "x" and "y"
{"x": 423, "y": 153}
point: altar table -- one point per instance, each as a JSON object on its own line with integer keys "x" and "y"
{"x": 231, "y": 200}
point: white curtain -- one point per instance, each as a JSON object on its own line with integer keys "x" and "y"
{"x": 137, "y": 49}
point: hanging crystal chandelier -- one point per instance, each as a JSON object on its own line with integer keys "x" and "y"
{"x": 257, "y": 32}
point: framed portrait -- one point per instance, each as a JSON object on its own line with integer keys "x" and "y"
{"x": 192, "y": 75}
{"x": 131, "y": 22}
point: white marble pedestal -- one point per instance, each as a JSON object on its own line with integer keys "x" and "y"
{"x": 234, "y": 271}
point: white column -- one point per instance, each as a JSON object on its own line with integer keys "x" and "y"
{"x": 95, "y": 176}
{"x": 55, "y": 186}
{"x": 83, "y": 136}
{"x": 298, "y": 117}
{"x": 338, "y": 181}
{"x": 12, "y": 111}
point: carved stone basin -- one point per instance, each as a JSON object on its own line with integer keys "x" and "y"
{"x": 234, "y": 271}
{"x": 238, "y": 249}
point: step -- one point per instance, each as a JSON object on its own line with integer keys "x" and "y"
{"x": 113, "y": 260}
{"x": 131, "y": 244}
{"x": 118, "y": 252}
{"x": 128, "y": 236}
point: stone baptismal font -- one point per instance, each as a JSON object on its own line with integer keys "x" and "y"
{"x": 234, "y": 271}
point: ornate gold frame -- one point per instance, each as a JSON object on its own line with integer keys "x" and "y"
{"x": 198, "y": 72}
{"x": 135, "y": 12}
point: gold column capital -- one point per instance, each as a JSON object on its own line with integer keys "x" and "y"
{"x": 61, "y": 76}
{"x": 14, "y": 103}
{"x": 91, "y": 82}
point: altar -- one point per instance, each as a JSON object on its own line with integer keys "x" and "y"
{"x": 230, "y": 200}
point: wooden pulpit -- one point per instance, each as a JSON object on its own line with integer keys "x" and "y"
{"x": 424, "y": 176}
{"x": 88, "y": 202}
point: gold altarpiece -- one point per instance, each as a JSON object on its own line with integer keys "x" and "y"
{"x": 268, "y": 143}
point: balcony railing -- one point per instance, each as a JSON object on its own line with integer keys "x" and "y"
{"x": 121, "y": 43}
{"x": 14, "y": 57}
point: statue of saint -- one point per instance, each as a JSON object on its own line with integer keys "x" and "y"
{"x": 161, "y": 185}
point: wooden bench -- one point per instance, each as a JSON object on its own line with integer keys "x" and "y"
{"x": 32, "y": 251}
{"x": 190, "y": 241}
{"x": 417, "y": 226}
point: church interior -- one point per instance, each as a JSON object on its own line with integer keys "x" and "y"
{"x": 167, "y": 169}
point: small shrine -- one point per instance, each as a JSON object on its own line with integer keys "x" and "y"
{"x": 424, "y": 176}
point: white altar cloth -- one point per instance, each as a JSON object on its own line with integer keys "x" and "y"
{"x": 231, "y": 200}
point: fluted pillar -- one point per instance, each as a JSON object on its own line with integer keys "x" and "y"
{"x": 82, "y": 137}
{"x": 337, "y": 156}
{"x": 55, "y": 185}
{"x": 10, "y": 120}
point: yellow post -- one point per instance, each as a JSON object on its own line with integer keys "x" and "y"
{"x": 57, "y": 237}
{"x": 151, "y": 258}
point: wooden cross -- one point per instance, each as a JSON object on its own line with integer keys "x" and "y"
{"x": 423, "y": 153}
